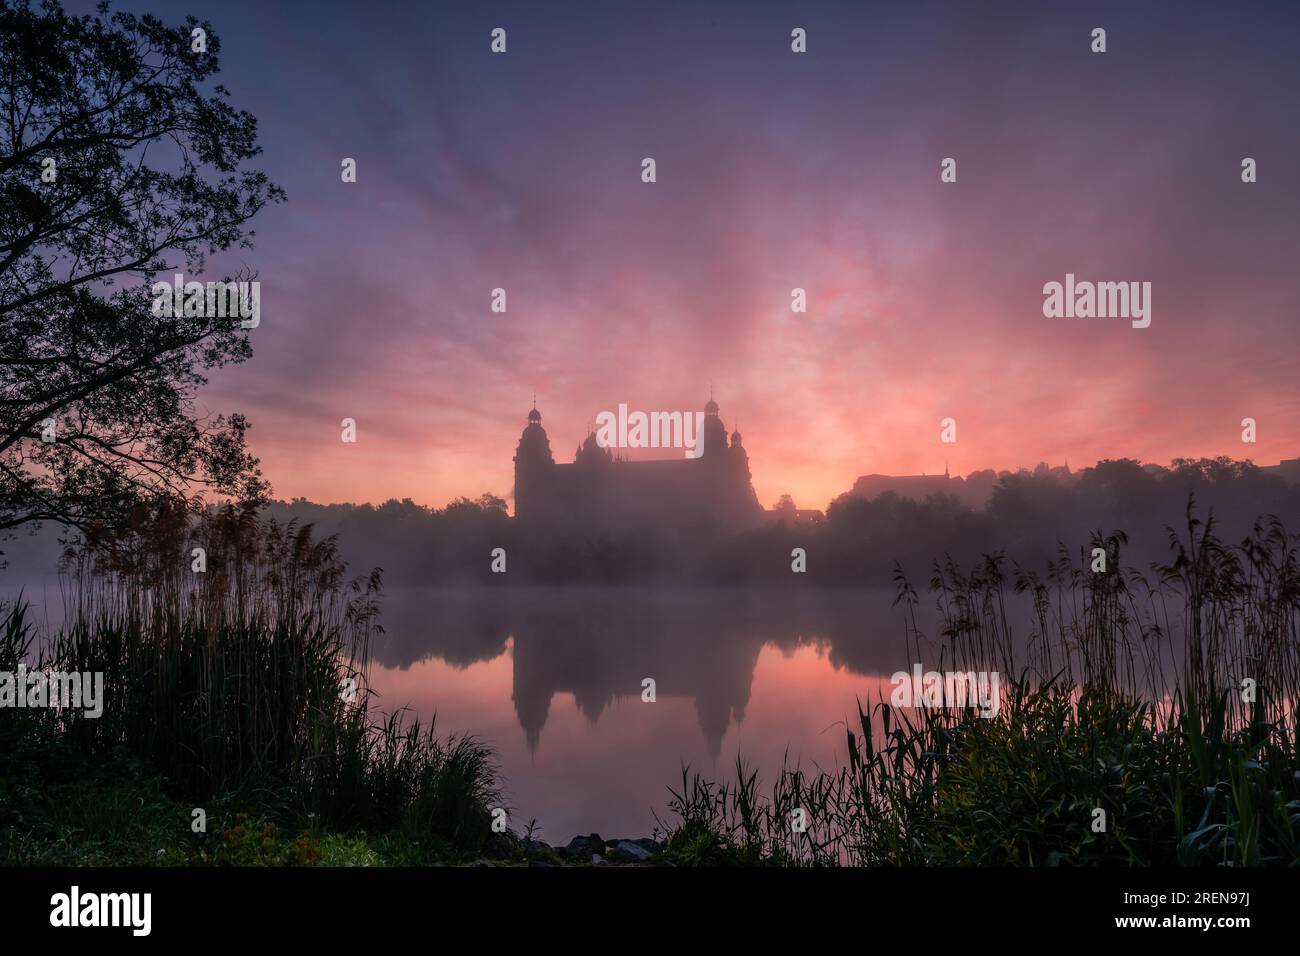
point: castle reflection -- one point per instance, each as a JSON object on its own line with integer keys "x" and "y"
{"x": 599, "y": 645}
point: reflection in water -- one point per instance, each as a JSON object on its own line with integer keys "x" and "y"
{"x": 552, "y": 678}
{"x": 735, "y": 672}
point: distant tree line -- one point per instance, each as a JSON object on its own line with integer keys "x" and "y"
{"x": 1030, "y": 516}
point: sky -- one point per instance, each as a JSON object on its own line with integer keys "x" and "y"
{"x": 775, "y": 170}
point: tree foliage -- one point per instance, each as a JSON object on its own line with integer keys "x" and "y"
{"x": 98, "y": 396}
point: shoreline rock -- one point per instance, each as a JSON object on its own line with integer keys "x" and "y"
{"x": 597, "y": 851}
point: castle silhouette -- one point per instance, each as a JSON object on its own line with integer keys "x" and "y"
{"x": 607, "y": 493}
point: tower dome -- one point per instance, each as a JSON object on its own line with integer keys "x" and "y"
{"x": 711, "y": 408}
{"x": 533, "y": 443}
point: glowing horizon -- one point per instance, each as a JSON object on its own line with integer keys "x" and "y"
{"x": 774, "y": 171}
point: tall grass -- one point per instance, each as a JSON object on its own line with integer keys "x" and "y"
{"x": 246, "y": 683}
{"x": 1126, "y": 696}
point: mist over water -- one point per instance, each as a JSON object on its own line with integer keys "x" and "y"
{"x": 552, "y": 678}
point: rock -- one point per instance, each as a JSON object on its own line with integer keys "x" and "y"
{"x": 598, "y": 860}
{"x": 581, "y": 847}
{"x": 644, "y": 843}
{"x": 503, "y": 846}
{"x": 630, "y": 850}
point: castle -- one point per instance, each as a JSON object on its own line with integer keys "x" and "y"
{"x": 601, "y": 492}
{"x": 919, "y": 487}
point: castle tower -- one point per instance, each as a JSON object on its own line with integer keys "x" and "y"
{"x": 738, "y": 450}
{"x": 533, "y": 464}
{"x": 591, "y": 455}
{"x": 715, "y": 434}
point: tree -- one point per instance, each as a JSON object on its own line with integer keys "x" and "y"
{"x": 115, "y": 168}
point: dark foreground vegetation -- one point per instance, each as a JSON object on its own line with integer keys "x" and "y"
{"x": 1161, "y": 703}
{"x": 241, "y": 692}
{"x": 1130, "y": 701}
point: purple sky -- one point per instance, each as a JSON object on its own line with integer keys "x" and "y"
{"x": 775, "y": 171}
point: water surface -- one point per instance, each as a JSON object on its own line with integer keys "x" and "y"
{"x": 553, "y": 680}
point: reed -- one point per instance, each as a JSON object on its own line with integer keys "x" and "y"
{"x": 1125, "y": 696}
{"x": 244, "y": 686}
